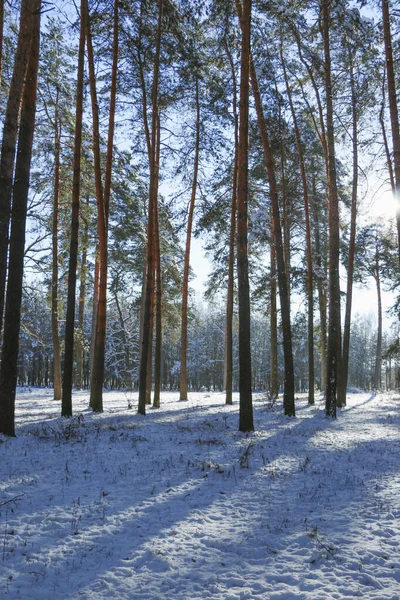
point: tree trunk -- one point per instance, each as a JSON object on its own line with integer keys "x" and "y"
{"x": 66, "y": 409}
{"x": 334, "y": 241}
{"x": 150, "y": 258}
{"x": 385, "y": 141}
{"x": 94, "y": 308}
{"x": 10, "y": 131}
{"x": 288, "y": 394}
{"x": 183, "y": 386}
{"x": 394, "y": 113}
{"x": 322, "y": 303}
{"x": 158, "y": 348}
{"x": 228, "y": 363}
{"x": 8, "y": 370}
{"x": 103, "y": 202}
{"x": 1, "y": 37}
{"x": 342, "y": 389}
{"x": 309, "y": 261}
{"x": 285, "y": 208}
{"x": 81, "y": 308}
{"x": 378, "y": 360}
{"x": 274, "y": 378}
{"x": 57, "y": 383}
{"x": 246, "y": 422}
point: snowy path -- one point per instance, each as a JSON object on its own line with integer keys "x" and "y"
{"x": 180, "y": 505}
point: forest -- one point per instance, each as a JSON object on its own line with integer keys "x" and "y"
{"x": 199, "y": 299}
{"x": 265, "y": 129}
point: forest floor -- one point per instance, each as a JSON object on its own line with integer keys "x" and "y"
{"x": 180, "y": 505}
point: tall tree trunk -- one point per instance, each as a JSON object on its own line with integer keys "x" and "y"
{"x": 150, "y": 259}
{"x": 285, "y": 207}
{"x": 1, "y": 38}
{"x": 378, "y": 359}
{"x": 54, "y": 277}
{"x": 103, "y": 203}
{"x": 158, "y": 347}
{"x": 322, "y": 301}
{"x": 288, "y": 394}
{"x": 394, "y": 113}
{"x": 66, "y": 409}
{"x": 385, "y": 141}
{"x": 274, "y": 378}
{"x": 10, "y": 132}
{"x": 334, "y": 241}
{"x": 81, "y": 308}
{"x": 8, "y": 369}
{"x": 228, "y": 362}
{"x": 246, "y": 422}
{"x": 183, "y": 385}
{"x": 309, "y": 260}
{"x": 96, "y": 276}
{"x": 342, "y": 388}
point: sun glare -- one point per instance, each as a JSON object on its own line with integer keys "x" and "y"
{"x": 385, "y": 205}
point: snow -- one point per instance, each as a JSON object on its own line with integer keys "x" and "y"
{"x": 179, "y": 504}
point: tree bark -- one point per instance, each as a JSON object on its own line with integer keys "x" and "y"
{"x": 66, "y": 409}
{"x": 57, "y": 383}
{"x": 81, "y": 308}
{"x": 150, "y": 259}
{"x": 103, "y": 202}
{"x": 1, "y": 38}
{"x": 385, "y": 141}
{"x": 342, "y": 388}
{"x": 394, "y": 113}
{"x": 10, "y": 132}
{"x": 228, "y": 363}
{"x": 246, "y": 422}
{"x": 274, "y": 378}
{"x": 309, "y": 260}
{"x": 158, "y": 346}
{"x": 378, "y": 359}
{"x": 8, "y": 369}
{"x": 183, "y": 385}
{"x": 288, "y": 393}
{"x": 334, "y": 241}
{"x": 322, "y": 301}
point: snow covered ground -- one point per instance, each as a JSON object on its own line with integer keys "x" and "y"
{"x": 180, "y": 505}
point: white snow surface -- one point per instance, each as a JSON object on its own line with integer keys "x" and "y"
{"x": 180, "y": 505}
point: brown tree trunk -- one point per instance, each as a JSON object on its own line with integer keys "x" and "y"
{"x": 183, "y": 385}
{"x": 57, "y": 383}
{"x": 309, "y": 261}
{"x": 150, "y": 258}
{"x": 10, "y": 132}
{"x": 66, "y": 409}
{"x": 1, "y": 38}
{"x": 228, "y": 363}
{"x": 274, "y": 378}
{"x": 8, "y": 369}
{"x": 342, "y": 388}
{"x": 378, "y": 360}
{"x": 246, "y": 422}
{"x": 322, "y": 301}
{"x": 288, "y": 394}
{"x": 285, "y": 207}
{"x": 158, "y": 347}
{"x": 81, "y": 308}
{"x": 334, "y": 241}
{"x": 96, "y": 276}
{"x": 394, "y": 113}
{"x": 103, "y": 202}
{"x": 385, "y": 141}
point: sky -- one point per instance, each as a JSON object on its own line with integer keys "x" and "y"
{"x": 380, "y": 205}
